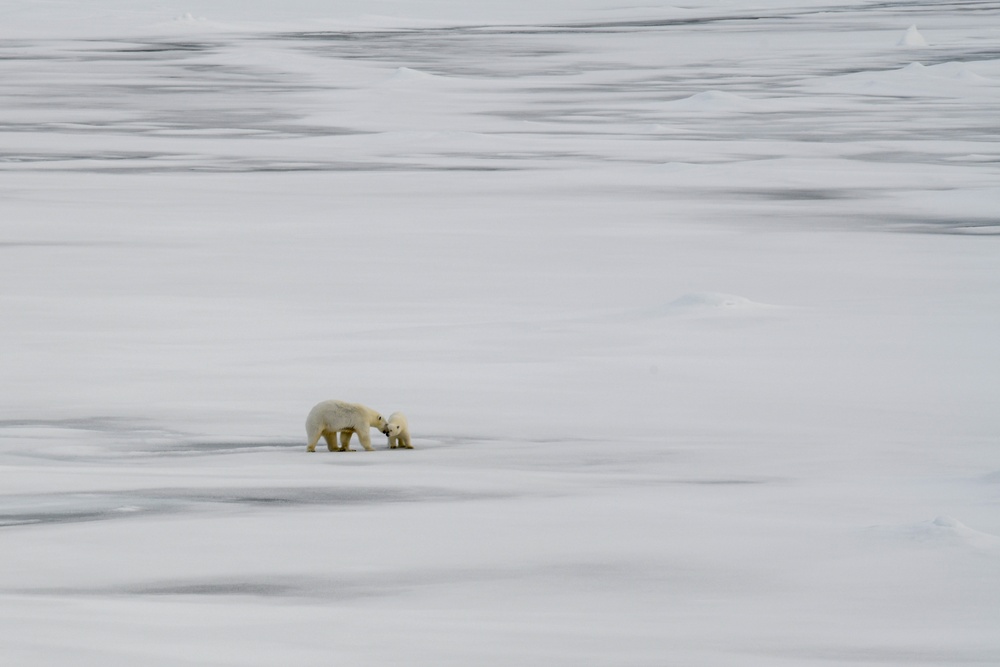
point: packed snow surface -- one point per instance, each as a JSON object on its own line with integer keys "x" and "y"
{"x": 693, "y": 309}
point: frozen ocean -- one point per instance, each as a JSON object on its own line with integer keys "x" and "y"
{"x": 693, "y": 307}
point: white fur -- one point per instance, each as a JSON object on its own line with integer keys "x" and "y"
{"x": 398, "y": 430}
{"x": 331, "y": 417}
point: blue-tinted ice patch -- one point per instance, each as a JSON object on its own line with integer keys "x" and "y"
{"x": 57, "y": 508}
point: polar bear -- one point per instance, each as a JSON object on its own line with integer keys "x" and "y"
{"x": 398, "y": 430}
{"x": 328, "y": 418}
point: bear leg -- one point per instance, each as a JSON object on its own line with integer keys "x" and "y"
{"x": 366, "y": 440}
{"x": 313, "y": 441}
{"x": 331, "y": 440}
{"x": 345, "y": 441}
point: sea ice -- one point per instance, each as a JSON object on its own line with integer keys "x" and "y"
{"x": 487, "y": 215}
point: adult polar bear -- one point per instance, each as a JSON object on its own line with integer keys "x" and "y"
{"x": 331, "y": 417}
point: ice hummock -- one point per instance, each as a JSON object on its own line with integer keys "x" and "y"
{"x": 912, "y": 38}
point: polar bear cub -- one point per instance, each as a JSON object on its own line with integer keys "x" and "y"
{"x": 329, "y": 418}
{"x": 398, "y": 430}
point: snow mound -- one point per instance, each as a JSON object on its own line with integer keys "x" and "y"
{"x": 714, "y": 100}
{"x": 709, "y": 304}
{"x": 960, "y": 71}
{"x": 912, "y": 38}
{"x": 711, "y": 300}
{"x": 953, "y": 79}
{"x": 188, "y": 23}
{"x": 409, "y": 76}
{"x": 957, "y": 71}
{"x": 945, "y": 530}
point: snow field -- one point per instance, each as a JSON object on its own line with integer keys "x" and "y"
{"x": 692, "y": 310}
